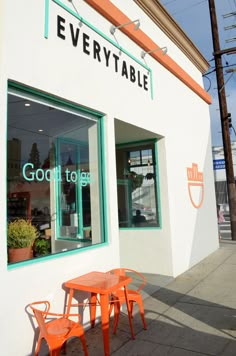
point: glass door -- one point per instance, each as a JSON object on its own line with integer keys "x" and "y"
{"x": 70, "y": 213}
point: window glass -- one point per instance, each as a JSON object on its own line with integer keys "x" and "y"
{"x": 53, "y": 176}
{"x": 137, "y": 186}
{"x": 134, "y": 158}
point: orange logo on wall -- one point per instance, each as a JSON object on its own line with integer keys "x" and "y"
{"x": 195, "y": 186}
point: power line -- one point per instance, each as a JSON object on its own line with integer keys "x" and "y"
{"x": 190, "y": 7}
{"x": 209, "y": 83}
{"x": 169, "y": 2}
{"x": 214, "y": 69}
{"x": 228, "y": 79}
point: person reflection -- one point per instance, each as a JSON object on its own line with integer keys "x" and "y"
{"x": 139, "y": 219}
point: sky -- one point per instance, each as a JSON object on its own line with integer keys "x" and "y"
{"x": 194, "y": 18}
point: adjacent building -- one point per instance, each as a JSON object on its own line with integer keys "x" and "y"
{"x": 220, "y": 174}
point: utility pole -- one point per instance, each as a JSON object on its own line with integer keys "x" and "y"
{"x": 224, "y": 119}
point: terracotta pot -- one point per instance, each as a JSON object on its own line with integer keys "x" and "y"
{"x": 19, "y": 254}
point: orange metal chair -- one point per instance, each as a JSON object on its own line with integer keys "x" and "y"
{"x": 134, "y": 296}
{"x": 57, "y": 330}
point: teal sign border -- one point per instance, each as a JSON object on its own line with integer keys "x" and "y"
{"x": 81, "y": 19}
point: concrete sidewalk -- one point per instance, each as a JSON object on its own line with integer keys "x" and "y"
{"x": 192, "y": 315}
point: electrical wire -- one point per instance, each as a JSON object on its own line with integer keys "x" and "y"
{"x": 189, "y": 7}
{"x": 206, "y": 76}
{"x": 168, "y": 2}
{"x": 213, "y": 70}
{"x": 209, "y": 84}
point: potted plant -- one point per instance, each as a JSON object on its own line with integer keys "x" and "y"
{"x": 21, "y": 235}
{"x": 41, "y": 247}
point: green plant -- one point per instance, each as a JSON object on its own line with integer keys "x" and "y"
{"x": 41, "y": 246}
{"x": 135, "y": 179}
{"x": 21, "y": 233}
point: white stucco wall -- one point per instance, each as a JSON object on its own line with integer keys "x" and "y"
{"x": 177, "y": 114}
{"x": 183, "y": 119}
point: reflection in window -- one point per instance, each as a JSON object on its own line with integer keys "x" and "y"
{"x": 74, "y": 189}
{"x": 54, "y": 176}
{"x": 137, "y": 186}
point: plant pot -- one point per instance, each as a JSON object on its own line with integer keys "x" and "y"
{"x": 19, "y": 254}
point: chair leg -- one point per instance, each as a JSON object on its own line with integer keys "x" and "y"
{"x": 38, "y": 346}
{"x": 82, "y": 338}
{"x": 131, "y": 304}
{"x": 55, "y": 352}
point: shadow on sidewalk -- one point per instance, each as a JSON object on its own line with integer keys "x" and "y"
{"x": 192, "y": 315}
{"x": 175, "y": 327}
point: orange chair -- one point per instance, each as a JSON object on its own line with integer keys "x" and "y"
{"x": 58, "y": 330}
{"x": 134, "y": 295}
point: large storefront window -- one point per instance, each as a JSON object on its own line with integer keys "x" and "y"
{"x": 137, "y": 185}
{"x": 54, "y": 173}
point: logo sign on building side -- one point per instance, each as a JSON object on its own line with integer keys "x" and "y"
{"x": 195, "y": 186}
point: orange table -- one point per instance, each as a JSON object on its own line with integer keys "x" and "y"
{"x": 103, "y": 284}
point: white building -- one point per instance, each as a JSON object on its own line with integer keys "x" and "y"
{"x": 103, "y": 131}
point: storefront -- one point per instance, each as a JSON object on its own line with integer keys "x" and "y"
{"x": 106, "y": 139}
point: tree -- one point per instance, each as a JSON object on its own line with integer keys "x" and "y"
{"x": 34, "y": 156}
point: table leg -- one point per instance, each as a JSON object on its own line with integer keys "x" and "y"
{"x": 93, "y": 306}
{"x": 129, "y": 313}
{"x": 104, "y": 301}
{"x": 70, "y": 300}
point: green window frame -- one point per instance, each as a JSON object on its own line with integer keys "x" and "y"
{"x": 138, "y": 187}
{"x": 83, "y": 238}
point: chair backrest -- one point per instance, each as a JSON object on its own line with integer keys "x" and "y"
{"x": 125, "y": 271}
{"x": 41, "y": 310}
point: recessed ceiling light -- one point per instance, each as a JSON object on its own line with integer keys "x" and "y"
{"x": 40, "y": 130}
{"x": 27, "y": 104}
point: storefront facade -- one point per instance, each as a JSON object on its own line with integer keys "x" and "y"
{"x": 107, "y": 148}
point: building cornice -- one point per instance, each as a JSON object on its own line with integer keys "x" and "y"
{"x": 167, "y": 24}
